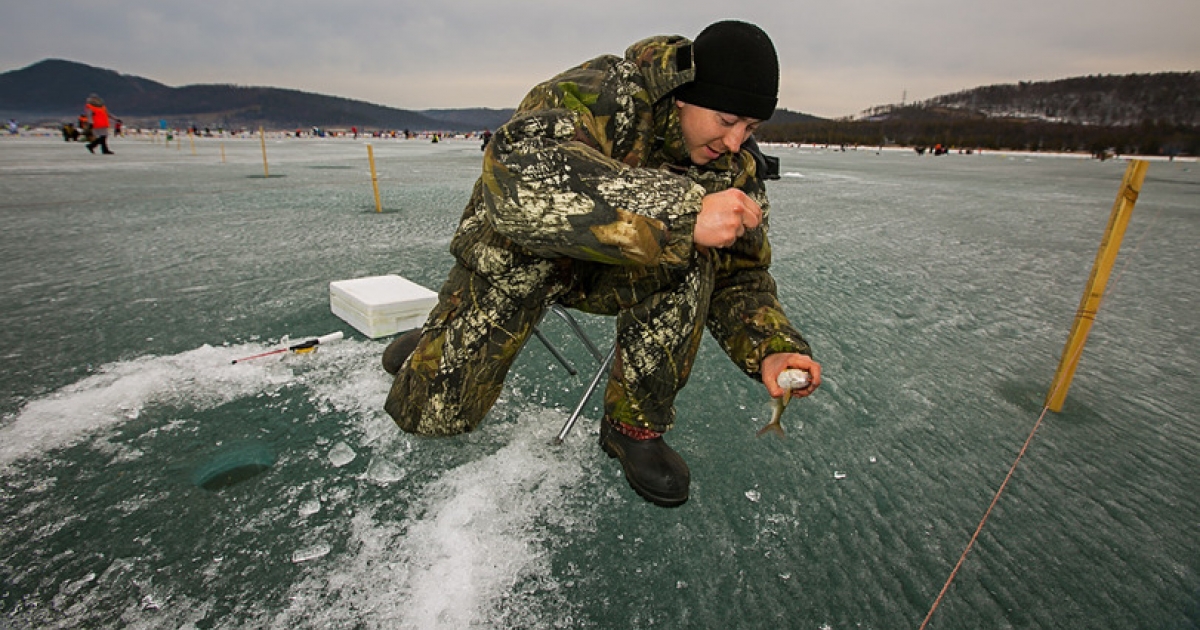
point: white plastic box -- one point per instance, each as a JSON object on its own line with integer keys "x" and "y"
{"x": 378, "y": 306}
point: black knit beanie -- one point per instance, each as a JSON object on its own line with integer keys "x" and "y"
{"x": 737, "y": 71}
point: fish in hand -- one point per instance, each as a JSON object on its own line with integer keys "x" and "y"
{"x": 788, "y": 380}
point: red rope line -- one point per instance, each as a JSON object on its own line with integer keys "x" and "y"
{"x": 986, "y": 514}
{"x": 1029, "y": 439}
{"x": 996, "y": 499}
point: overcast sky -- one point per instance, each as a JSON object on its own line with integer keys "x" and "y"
{"x": 837, "y": 58}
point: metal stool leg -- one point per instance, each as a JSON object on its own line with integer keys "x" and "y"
{"x": 604, "y": 361}
{"x": 563, "y": 313}
{"x": 587, "y": 394}
{"x": 554, "y": 351}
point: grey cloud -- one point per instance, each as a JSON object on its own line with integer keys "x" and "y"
{"x": 837, "y": 58}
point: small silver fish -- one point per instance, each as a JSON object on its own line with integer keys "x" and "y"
{"x": 788, "y": 380}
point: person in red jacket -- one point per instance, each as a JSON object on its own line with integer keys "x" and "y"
{"x": 95, "y": 106}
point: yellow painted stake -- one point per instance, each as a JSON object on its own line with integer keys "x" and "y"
{"x": 192, "y": 139}
{"x": 222, "y": 151}
{"x": 374, "y": 178}
{"x": 263, "y": 139}
{"x": 1135, "y": 174}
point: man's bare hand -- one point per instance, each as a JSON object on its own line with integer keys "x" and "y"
{"x": 774, "y": 364}
{"x": 724, "y": 217}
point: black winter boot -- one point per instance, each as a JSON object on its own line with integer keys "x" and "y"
{"x": 399, "y": 349}
{"x": 652, "y": 468}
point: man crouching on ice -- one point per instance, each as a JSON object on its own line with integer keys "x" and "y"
{"x": 628, "y": 187}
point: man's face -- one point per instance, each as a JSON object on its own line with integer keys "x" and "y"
{"x": 708, "y": 134}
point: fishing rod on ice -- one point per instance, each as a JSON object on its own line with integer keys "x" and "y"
{"x": 303, "y": 347}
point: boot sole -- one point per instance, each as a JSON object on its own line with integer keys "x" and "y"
{"x": 667, "y": 502}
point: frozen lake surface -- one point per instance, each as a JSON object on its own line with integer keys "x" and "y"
{"x": 145, "y": 482}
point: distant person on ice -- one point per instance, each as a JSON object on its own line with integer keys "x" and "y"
{"x": 627, "y": 186}
{"x": 95, "y": 107}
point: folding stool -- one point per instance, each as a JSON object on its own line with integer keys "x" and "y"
{"x": 605, "y": 364}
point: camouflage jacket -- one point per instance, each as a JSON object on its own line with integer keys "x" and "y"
{"x": 592, "y": 166}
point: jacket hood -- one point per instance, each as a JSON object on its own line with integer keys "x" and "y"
{"x": 665, "y": 61}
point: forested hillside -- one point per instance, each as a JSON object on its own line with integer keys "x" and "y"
{"x": 1171, "y": 98}
{"x": 55, "y": 89}
{"x": 1153, "y": 114}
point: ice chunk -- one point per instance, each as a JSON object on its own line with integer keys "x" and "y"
{"x": 793, "y": 379}
{"x": 308, "y": 508}
{"x": 382, "y": 471}
{"x": 310, "y": 553}
{"x": 340, "y": 455}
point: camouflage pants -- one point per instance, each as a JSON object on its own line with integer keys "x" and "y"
{"x": 474, "y": 334}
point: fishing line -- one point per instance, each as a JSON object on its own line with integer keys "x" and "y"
{"x": 986, "y": 514}
{"x": 996, "y": 499}
{"x": 1029, "y": 439}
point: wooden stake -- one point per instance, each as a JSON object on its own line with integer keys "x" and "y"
{"x": 192, "y": 139}
{"x": 1135, "y": 175}
{"x": 374, "y": 177}
{"x": 262, "y": 138}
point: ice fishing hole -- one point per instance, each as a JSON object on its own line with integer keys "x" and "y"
{"x": 233, "y": 465}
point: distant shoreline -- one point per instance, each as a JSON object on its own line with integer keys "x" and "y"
{"x": 978, "y": 152}
{"x": 337, "y": 135}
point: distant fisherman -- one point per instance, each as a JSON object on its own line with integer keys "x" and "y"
{"x": 627, "y": 186}
{"x": 95, "y": 107}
